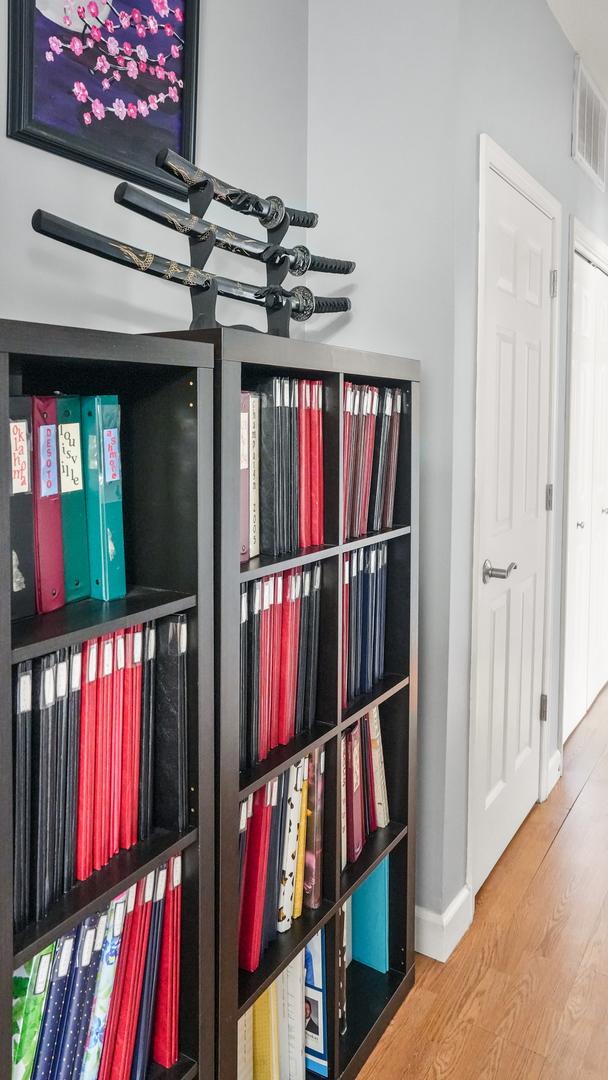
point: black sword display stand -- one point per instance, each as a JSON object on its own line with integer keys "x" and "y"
{"x": 282, "y": 305}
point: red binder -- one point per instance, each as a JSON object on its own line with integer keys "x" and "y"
{"x": 265, "y": 645}
{"x": 86, "y": 766}
{"x": 346, "y": 462}
{"x": 354, "y": 794}
{"x": 103, "y": 760}
{"x": 275, "y": 661}
{"x": 131, "y": 737}
{"x": 316, "y": 463}
{"x": 118, "y": 682}
{"x": 134, "y": 976}
{"x": 165, "y": 1027}
{"x": 290, "y": 637}
{"x": 48, "y": 537}
{"x": 119, "y": 989}
{"x": 345, "y": 608}
{"x": 254, "y": 889}
{"x": 305, "y": 469}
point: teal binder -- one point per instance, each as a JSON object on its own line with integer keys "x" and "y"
{"x": 103, "y": 484}
{"x": 370, "y": 920}
{"x": 73, "y": 500}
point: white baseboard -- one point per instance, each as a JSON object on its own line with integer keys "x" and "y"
{"x": 554, "y": 770}
{"x": 438, "y": 935}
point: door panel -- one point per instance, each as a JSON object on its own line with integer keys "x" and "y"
{"x": 513, "y": 399}
{"x": 597, "y": 672}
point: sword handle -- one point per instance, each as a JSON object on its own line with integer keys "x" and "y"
{"x": 331, "y": 266}
{"x": 328, "y": 305}
{"x": 303, "y": 219}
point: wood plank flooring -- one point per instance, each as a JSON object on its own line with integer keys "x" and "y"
{"x": 525, "y": 994}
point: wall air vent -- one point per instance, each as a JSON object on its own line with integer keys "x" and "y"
{"x": 589, "y": 126}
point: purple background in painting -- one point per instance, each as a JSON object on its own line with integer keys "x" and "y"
{"x": 130, "y": 141}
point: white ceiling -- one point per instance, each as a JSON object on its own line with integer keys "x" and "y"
{"x": 585, "y": 24}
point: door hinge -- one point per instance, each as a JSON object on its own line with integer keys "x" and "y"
{"x": 543, "y": 708}
{"x": 553, "y": 284}
{"x": 549, "y": 497}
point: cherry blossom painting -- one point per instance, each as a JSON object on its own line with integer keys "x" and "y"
{"x": 105, "y": 83}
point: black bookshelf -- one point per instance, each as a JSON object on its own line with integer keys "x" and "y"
{"x": 166, "y": 392}
{"x": 241, "y": 360}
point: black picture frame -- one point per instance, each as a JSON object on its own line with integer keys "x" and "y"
{"x": 23, "y": 126}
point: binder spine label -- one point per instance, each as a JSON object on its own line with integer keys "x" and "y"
{"x": 111, "y": 454}
{"x": 20, "y": 457}
{"x": 66, "y": 956}
{"x": 48, "y": 460}
{"x": 70, "y": 457}
{"x": 42, "y": 974}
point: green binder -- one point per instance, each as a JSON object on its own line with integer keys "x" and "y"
{"x": 30, "y": 987}
{"x": 103, "y": 485}
{"x": 73, "y": 500}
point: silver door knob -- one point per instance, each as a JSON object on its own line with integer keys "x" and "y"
{"x": 604, "y": 509}
{"x": 488, "y": 571}
{"x": 580, "y": 524}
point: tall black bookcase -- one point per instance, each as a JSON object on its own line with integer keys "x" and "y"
{"x": 165, "y": 389}
{"x": 241, "y": 360}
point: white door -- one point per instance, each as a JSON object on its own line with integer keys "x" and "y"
{"x": 512, "y": 460}
{"x": 578, "y": 527}
{"x": 586, "y": 603}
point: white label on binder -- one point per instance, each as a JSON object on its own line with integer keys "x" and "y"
{"x": 87, "y": 948}
{"x": 357, "y": 402}
{"x": 353, "y": 566}
{"x": 108, "y": 656}
{"x": 275, "y": 791}
{"x": 266, "y": 601}
{"x": 375, "y": 402}
{"x": 271, "y": 589}
{"x": 137, "y": 647}
{"x": 286, "y": 392}
{"x": 131, "y": 898}
{"x": 372, "y": 561}
{"x": 279, "y": 581}
{"x": 120, "y": 652}
{"x": 250, "y": 806}
{"x": 322, "y": 762}
{"x": 149, "y": 893}
{"x": 62, "y": 678}
{"x": 161, "y": 883}
{"x": 70, "y": 457}
{"x": 388, "y": 404}
{"x": 297, "y": 586}
{"x": 25, "y": 692}
{"x": 306, "y": 583}
{"x": 92, "y": 666}
{"x": 183, "y": 636}
{"x": 75, "y": 671}
{"x": 151, "y": 643}
{"x": 42, "y": 975}
{"x": 111, "y": 454}
{"x": 101, "y": 930}
{"x": 349, "y": 399}
{"x": 307, "y": 393}
{"x": 243, "y": 821}
{"x": 244, "y": 606}
{"x": 177, "y": 871}
{"x": 120, "y": 912}
{"x": 21, "y": 474}
{"x": 49, "y": 482}
{"x": 244, "y": 440}
{"x": 316, "y": 582}
{"x": 346, "y": 570}
{"x": 49, "y": 687}
{"x": 305, "y": 776}
{"x": 66, "y": 957}
{"x": 257, "y": 598}
{"x": 269, "y": 793}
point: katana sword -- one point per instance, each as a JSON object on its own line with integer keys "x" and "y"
{"x": 299, "y": 258}
{"x": 303, "y": 302}
{"x": 269, "y": 211}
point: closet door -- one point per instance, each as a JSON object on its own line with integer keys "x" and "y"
{"x": 597, "y": 674}
{"x": 579, "y": 495}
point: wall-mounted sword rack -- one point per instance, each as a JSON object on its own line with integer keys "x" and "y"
{"x": 281, "y": 304}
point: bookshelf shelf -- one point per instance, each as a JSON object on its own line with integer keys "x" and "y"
{"x": 265, "y": 564}
{"x": 371, "y": 995}
{"x": 280, "y": 759}
{"x": 99, "y": 889}
{"x": 243, "y": 361}
{"x": 281, "y": 953}
{"x": 379, "y": 844}
{"x": 384, "y": 689}
{"x": 75, "y": 623}
{"x": 165, "y": 390}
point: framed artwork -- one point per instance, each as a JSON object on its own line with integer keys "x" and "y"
{"x": 105, "y": 83}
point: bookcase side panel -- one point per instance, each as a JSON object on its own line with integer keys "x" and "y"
{"x": 6, "y": 757}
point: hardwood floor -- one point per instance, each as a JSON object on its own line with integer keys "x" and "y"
{"x": 525, "y": 994}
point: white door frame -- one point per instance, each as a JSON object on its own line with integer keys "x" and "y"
{"x": 587, "y": 244}
{"x": 492, "y": 158}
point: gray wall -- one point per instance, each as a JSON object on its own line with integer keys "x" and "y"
{"x": 243, "y": 42}
{"x": 396, "y": 107}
